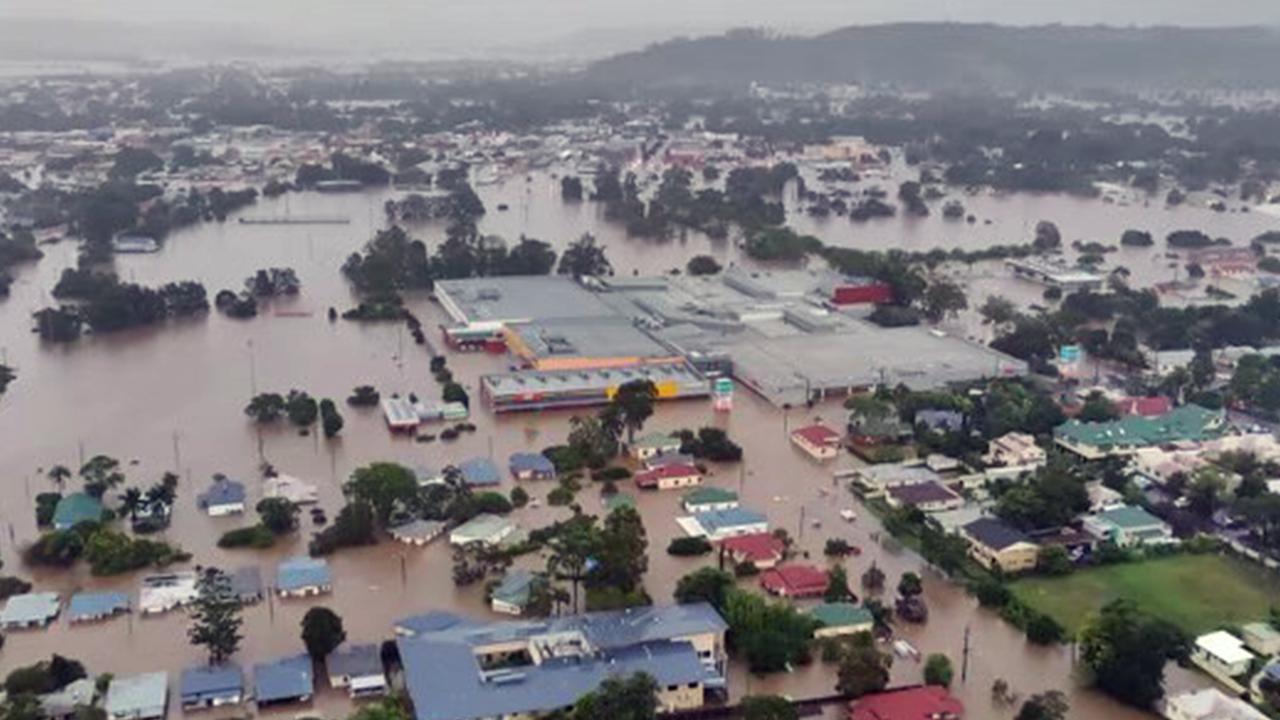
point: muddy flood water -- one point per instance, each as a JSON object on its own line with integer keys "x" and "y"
{"x": 172, "y": 398}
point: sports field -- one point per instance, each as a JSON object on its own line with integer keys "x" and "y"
{"x": 1196, "y": 592}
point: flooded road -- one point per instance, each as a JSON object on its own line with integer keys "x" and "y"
{"x": 172, "y": 397}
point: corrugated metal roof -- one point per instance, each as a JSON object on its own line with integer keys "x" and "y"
{"x": 303, "y": 572}
{"x": 284, "y": 679}
{"x": 91, "y": 606}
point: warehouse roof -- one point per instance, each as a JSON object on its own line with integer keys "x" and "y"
{"x": 586, "y": 337}
{"x": 519, "y": 298}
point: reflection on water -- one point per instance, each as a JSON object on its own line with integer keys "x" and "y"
{"x": 173, "y": 397}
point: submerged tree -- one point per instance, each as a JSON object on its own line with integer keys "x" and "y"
{"x": 215, "y": 617}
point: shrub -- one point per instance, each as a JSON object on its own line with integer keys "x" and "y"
{"x": 519, "y": 497}
{"x": 560, "y": 496}
{"x": 46, "y": 505}
{"x": 254, "y": 536}
{"x": 689, "y": 546}
{"x": 364, "y": 396}
{"x": 610, "y": 473}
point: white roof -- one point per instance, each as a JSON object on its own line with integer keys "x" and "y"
{"x": 1224, "y": 646}
{"x": 1213, "y": 704}
{"x": 292, "y": 489}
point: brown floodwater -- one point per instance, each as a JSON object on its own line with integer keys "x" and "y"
{"x": 172, "y": 397}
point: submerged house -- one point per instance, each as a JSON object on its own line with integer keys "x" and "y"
{"x": 205, "y": 687}
{"x": 287, "y": 680}
{"x": 303, "y": 576}
{"x": 357, "y": 669}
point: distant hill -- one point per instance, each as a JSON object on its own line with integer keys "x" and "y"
{"x": 943, "y": 55}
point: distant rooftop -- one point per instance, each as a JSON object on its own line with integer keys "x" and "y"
{"x": 1189, "y": 422}
{"x": 518, "y": 299}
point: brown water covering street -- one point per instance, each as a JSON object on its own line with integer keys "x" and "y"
{"x": 173, "y": 397}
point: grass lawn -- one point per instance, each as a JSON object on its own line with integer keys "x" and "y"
{"x": 1196, "y": 592}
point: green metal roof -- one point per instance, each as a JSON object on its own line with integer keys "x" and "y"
{"x": 75, "y": 509}
{"x": 617, "y": 500}
{"x": 841, "y": 614}
{"x": 655, "y": 440}
{"x": 1189, "y": 422}
{"x": 708, "y": 495}
{"x": 1130, "y": 518}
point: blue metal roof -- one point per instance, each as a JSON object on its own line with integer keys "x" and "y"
{"x": 531, "y": 462}
{"x": 303, "y": 572}
{"x": 283, "y": 680}
{"x": 355, "y": 661}
{"x": 201, "y": 683}
{"x": 91, "y": 606}
{"x": 75, "y": 509}
{"x": 479, "y": 471}
{"x": 433, "y": 621}
{"x": 714, "y": 520}
{"x": 223, "y": 492}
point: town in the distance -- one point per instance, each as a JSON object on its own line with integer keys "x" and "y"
{"x": 750, "y": 376}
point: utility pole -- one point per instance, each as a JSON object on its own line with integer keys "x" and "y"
{"x": 964, "y": 661}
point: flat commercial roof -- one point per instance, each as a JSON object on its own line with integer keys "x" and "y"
{"x": 518, "y": 299}
{"x": 514, "y": 385}
{"x": 587, "y": 337}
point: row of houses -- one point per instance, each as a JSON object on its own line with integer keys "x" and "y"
{"x": 295, "y": 578}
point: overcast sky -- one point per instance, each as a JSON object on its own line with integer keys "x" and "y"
{"x": 463, "y": 24}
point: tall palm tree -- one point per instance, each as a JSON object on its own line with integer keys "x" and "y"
{"x": 131, "y": 501}
{"x": 59, "y": 474}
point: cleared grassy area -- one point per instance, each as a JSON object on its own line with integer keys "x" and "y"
{"x": 1196, "y": 592}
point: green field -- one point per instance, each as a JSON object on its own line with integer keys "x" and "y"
{"x": 1196, "y": 592}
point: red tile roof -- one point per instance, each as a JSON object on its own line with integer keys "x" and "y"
{"x": 817, "y": 435}
{"x": 1144, "y": 406}
{"x": 756, "y": 547}
{"x": 794, "y": 581}
{"x": 921, "y": 703}
{"x": 650, "y": 478}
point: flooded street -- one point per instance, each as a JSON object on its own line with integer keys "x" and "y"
{"x": 172, "y": 397}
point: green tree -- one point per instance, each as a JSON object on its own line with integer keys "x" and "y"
{"x": 101, "y": 474}
{"x": 1126, "y": 651}
{"x": 910, "y": 585}
{"x": 6, "y": 376}
{"x": 837, "y": 585}
{"x": 1202, "y": 369}
{"x": 322, "y": 632}
{"x": 385, "y": 486}
{"x": 571, "y": 550}
{"x": 1048, "y": 705}
{"x": 706, "y": 584}
{"x": 330, "y": 419}
{"x": 590, "y": 441}
{"x": 623, "y": 558}
{"x": 584, "y": 258}
{"x": 633, "y": 404}
{"x": 266, "y": 408}
{"x": 702, "y": 265}
{"x": 278, "y": 515}
{"x": 1097, "y": 408}
{"x": 301, "y": 408}
{"x": 873, "y": 578}
{"x": 131, "y": 501}
{"x": 938, "y": 670}
{"x": 998, "y": 310}
{"x": 863, "y": 668}
{"x": 943, "y": 299}
{"x": 767, "y": 707}
{"x": 1054, "y": 560}
{"x": 617, "y": 698}
{"x": 388, "y": 709}
{"x": 215, "y": 617}
{"x": 59, "y": 475}
{"x": 519, "y": 497}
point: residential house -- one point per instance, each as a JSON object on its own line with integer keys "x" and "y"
{"x": 647, "y": 446}
{"x": 1015, "y": 451}
{"x": 30, "y": 610}
{"x": 358, "y": 669}
{"x": 246, "y": 585}
{"x": 303, "y": 576}
{"x": 761, "y": 549}
{"x": 940, "y": 420}
{"x": 400, "y": 414}
{"x": 995, "y": 544}
{"x": 166, "y": 591}
{"x": 418, "y": 532}
{"x": 654, "y": 462}
{"x": 292, "y": 489}
{"x": 1093, "y": 441}
{"x": 875, "y": 480}
{"x": 1221, "y": 654}
{"x": 931, "y": 496}
{"x": 138, "y": 697}
{"x": 93, "y": 606}
{"x": 511, "y": 596}
{"x": 204, "y": 687}
{"x": 928, "y": 702}
{"x": 1128, "y": 526}
{"x": 841, "y": 618}
{"x": 1262, "y": 638}
{"x": 720, "y": 524}
{"x": 817, "y": 441}
{"x": 1209, "y": 704}
{"x": 479, "y": 472}
{"x": 531, "y": 466}
{"x": 484, "y": 528}
{"x": 224, "y": 497}
{"x": 873, "y": 430}
{"x": 794, "y": 581}
{"x": 705, "y": 499}
{"x": 76, "y": 508}
{"x": 287, "y": 680}
{"x": 1103, "y": 498}
{"x": 458, "y": 669}
{"x": 66, "y": 703}
{"x": 668, "y": 477}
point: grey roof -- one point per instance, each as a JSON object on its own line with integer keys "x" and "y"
{"x": 924, "y": 492}
{"x": 64, "y": 702}
{"x": 479, "y": 471}
{"x": 445, "y": 681}
{"x": 204, "y": 682}
{"x": 591, "y": 337}
{"x": 514, "y": 588}
{"x": 355, "y": 661}
{"x": 303, "y": 572}
{"x": 519, "y": 298}
{"x": 283, "y": 680}
{"x": 417, "y": 529}
{"x": 30, "y": 608}
{"x": 994, "y": 533}
{"x": 952, "y": 420}
{"x": 531, "y": 462}
{"x": 137, "y": 694}
{"x": 433, "y": 621}
{"x": 224, "y": 491}
{"x": 91, "y": 606}
{"x": 246, "y": 583}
